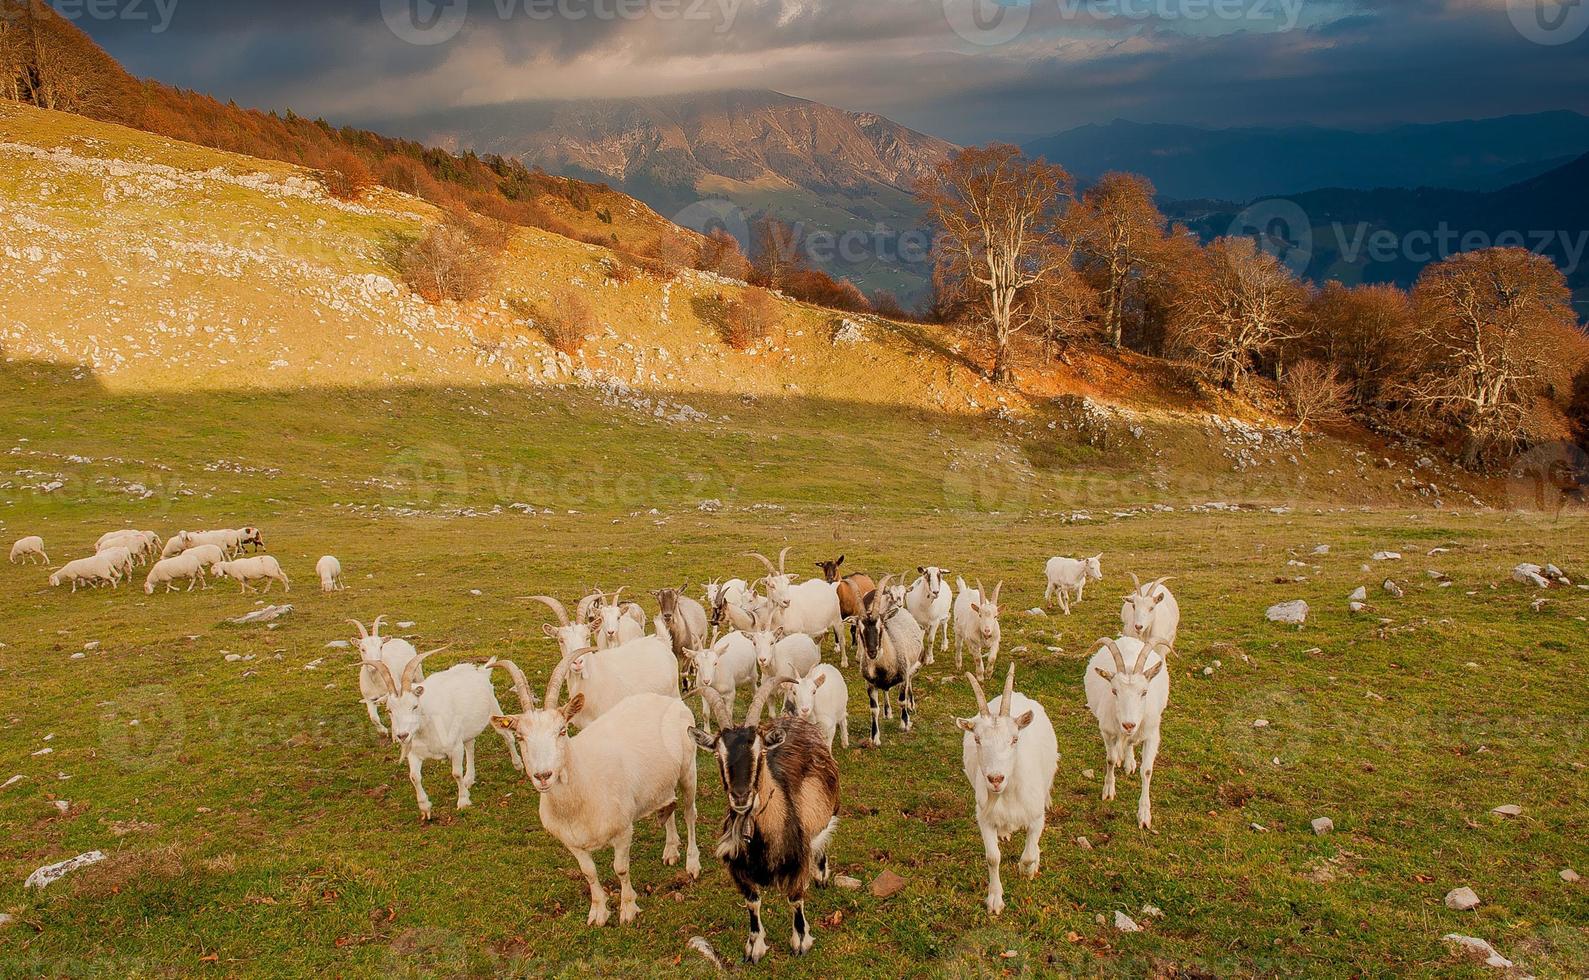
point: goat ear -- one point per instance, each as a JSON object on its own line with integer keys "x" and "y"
{"x": 976, "y": 608}
{"x": 419, "y": 691}
{"x": 1024, "y": 720}
{"x": 921, "y": 569}
{"x": 1153, "y": 671}
{"x": 772, "y": 739}
{"x": 966, "y": 724}
{"x": 575, "y": 705}
{"x": 840, "y": 561}
{"x": 704, "y": 740}
{"x": 779, "y": 633}
{"x": 548, "y": 629}
{"x": 1106, "y": 675}
{"x": 818, "y": 680}
{"x": 504, "y": 722}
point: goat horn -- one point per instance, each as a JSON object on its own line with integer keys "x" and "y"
{"x": 1104, "y": 643}
{"x": 1157, "y": 582}
{"x": 411, "y": 669}
{"x": 753, "y": 713}
{"x": 613, "y": 596}
{"x": 521, "y": 686}
{"x": 386, "y": 672}
{"x": 996, "y": 590}
{"x": 982, "y": 594}
{"x": 781, "y": 556}
{"x": 557, "y": 607}
{"x": 982, "y": 698}
{"x": 555, "y": 683}
{"x": 763, "y": 559}
{"x": 364, "y": 634}
{"x": 1135, "y": 581}
{"x": 1142, "y": 658}
{"x": 375, "y": 627}
{"x": 1009, "y": 693}
{"x": 718, "y": 705}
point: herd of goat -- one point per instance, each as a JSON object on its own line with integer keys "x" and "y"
{"x": 634, "y": 753}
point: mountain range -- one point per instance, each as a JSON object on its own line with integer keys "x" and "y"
{"x": 824, "y": 168}
{"x": 1240, "y": 164}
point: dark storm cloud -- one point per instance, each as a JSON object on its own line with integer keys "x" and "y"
{"x": 1225, "y": 62}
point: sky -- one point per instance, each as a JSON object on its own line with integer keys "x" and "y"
{"x": 965, "y": 70}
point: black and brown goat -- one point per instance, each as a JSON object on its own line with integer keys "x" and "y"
{"x": 783, "y": 807}
{"x": 890, "y": 646}
{"x": 850, "y": 588}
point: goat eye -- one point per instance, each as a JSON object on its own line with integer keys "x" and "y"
{"x": 977, "y": 739}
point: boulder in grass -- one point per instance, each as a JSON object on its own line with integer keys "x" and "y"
{"x": 1478, "y": 949}
{"x": 1293, "y": 613}
{"x": 1462, "y": 899}
{"x": 887, "y": 885}
{"x": 51, "y": 873}
{"x": 1528, "y": 574}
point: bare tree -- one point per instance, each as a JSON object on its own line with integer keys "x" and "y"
{"x": 1489, "y": 323}
{"x": 10, "y": 50}
{"x": 1234, "y": 305}
{"x": 1366, "y": 333}
{"x": 1117, "y": 229}
{"x": 1315, "y": 393}
{"x": 999, "y": 214}
{"x": 775, "y": 252}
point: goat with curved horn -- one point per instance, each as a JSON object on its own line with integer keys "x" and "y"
{"x": 1151, "y": 613}
{"x": 976, "y": 625}
{"x": 1129, "y": 705}
{"x": 387, "y": 659}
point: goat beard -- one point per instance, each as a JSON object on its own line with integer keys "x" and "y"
{"x": 738, "y": 828}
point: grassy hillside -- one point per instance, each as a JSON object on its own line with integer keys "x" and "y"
{"x": 255, "y": 826}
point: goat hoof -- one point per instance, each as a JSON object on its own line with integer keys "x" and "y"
{"x": 627, "y": 913}
{"x": 755, "y": 949}
{"x": 995, "y": 905}
{"x": 670, "y": 856}
{"x": 598, "y": 915}
{"x": 692, "y": 867}
{"x": 800, "y": 946}
{"x": 1029, "y": 870}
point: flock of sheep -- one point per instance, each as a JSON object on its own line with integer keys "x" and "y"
{"x": 634, "y": 752}
{"x": 189, "y": 556}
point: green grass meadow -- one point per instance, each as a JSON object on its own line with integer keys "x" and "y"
{"x": 256, "y": 826}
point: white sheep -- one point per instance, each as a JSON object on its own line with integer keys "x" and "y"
{"x": 1009, "y": 754}
{"x": 635, "y": 760}
{"x": 1151, "y": 613}
{"x": 121, "y": 558}
{"x": 440, "y": 716}
{"x": 329, "y": 571}
{"x": 976, "y": 625}
{"x": 822, "y": 698}
{"x": 606, "y": 677}
{"x": 142, "y": 545}
{"x": 167, "y": 571}
{"x": 929, "y": 601}
{"x": 381, "y": 658}
{"x": 209, "y": 556}
{"x": 1070, "y": 575}
{"x": 29, "y": 549}
{"x": 88, "y": 571}
{"x": 725, "y": 667}
{"x": 246, "y": 570}
{"x": 1129, "y": 704}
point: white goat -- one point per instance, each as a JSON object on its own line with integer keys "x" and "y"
{"x": 822, "y": 698}
{"x": 606, "y": 677}
{"x": 929, "y": 601}
{"x": 570, "y": 635}
{"x": 1151, "y": 613}
{"x": 381, "y": 658}
{"x": 28, "y": 549}
{"x": 635, "y": 760}
{"x": 725, "y": 667}
{"x": 780, "y": 652}
{"x": 167, "y": 571}
{"x": 611, "y": 622}
{"x": 1009, "y": 754}
{"x": 88, "y": 571}
{"x": 727, "y": 605}
{"x": 1129, "y": 704}
{"x": 976, "y": 624}
{"x": 1070, "y": 575}
{"x": 440, "y": 716}
{"x": 329, "y": 571}
{"x": 810, "y": 607}
{"x": 246, "y": 570}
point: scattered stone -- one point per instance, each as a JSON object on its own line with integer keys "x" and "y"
{"x": 1084, "y": 843}
{"x": 1392, "y": 588}
{"x": 848, "y": 332}
{"x": 1478, "y": 949}
{"x": 476, "y": 592}
{"x": 1569, "y": 876}
{"x": 1387, "y": 556}
{"x": 51, "y": 873}
{"x": 338, "y": 645}
{"x": 1260, "y": 723}
{"x": 1323, "y": 825}
{"x": 1152, "y": 912}
{"x": 1539, "y": 604}
{"x": 1088, "y": 774}
{"x": 846, "y": 882}
{"x": 1035, "y": 611}
{"x": 1359, "y": 594}
{"x": 233, "y": 658}
{"x": 61, "y": 806}
{"x": 1462, "y": 899}
{"x": 1322, "y": 549}
{"x": 887, "y": 885}
{"x": 1293, "y": 613}
{"x": 1356, "y": 607}
{"x": 710, "y": 506}
{"x": 1208, "y": 671}
{"x": 12, "y": 781}
{"x": 1529, "y": 574}
{"x": 7, "y": 920}
{"x": 1124, "y": 923}
{"x": 1508, "y": 810}
{"x": 265, "y": 615}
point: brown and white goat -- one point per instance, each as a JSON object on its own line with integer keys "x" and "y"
{"x": 783, "y": 807}
{"x": 850, "y": 588}
{"x": 683, "y": 621}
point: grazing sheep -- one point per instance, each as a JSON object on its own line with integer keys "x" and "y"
{"x": 637, "y": 759}
{"x": 440, "y": 716}
{"x": 977, "y": 625}
{"x": 822, "y": 698}
{"x": 26, "y": 550}
{"x": 930, "y": 601}
{"x": 783, "y": 808}
{"x": 121, "y": 558}
{"x": 725, "y": 667}
{"x": 382, "y": 658}
{"x": 246, "y": 570}
{"x": 1151, "y": 613}
{"x": 188, "y": 565}
{"x": 330, "y": 572}
{"x": 1068, "y": 575}
{"x": 1129, "y": 704}
{"x": 142, "y": 545}
{"x": 1009, "y": 754}
{"x": 88, "y": 571}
